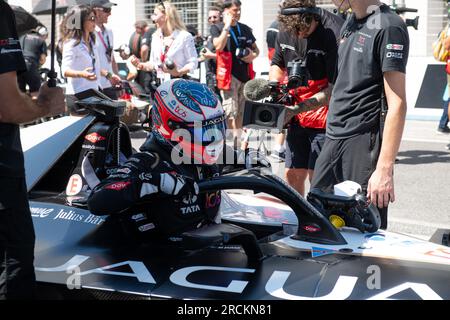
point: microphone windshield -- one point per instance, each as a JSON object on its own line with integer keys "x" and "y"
{"x": 256, "y": 89}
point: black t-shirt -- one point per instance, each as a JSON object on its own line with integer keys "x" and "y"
{"x": 11, "y": 59}
{"x": 271, "y": 34}
{"x": 365, "y": 53}
{"x": 320, "y": 48}
{"x": 33, "y": 47}
{"x": 243, "y": 35}
{"x": 146, "y": 39}
{"x": 211, "y": 65}
{"x": 135, "y": 44}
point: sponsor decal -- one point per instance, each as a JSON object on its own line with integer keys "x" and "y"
{"x": 118, "y": 186}
{"x": 319, "y": 252}
{"x": 146, "y": 227}
{"x": 276, "y": 285}
{"x": 213, "y": 200}
{"x": 138, "y": 217}
{"x": 392, "y": 46}
{"x": 91, "y": 147}
{"x": 164, "y": 93}
{"x": 358, "y": 49}
{"x": 146, "y": 176}
{"x": 394, "y": 55}
{"x": 190, "y": 199}
{"x": 440, "y": 253}
{"x": 124, "y": 170}
{"x": 9, "y": 42}
{"x": 312, "y": 228}
{"x": 375, "y": 237}
{"x": 93, "y": 219}
{"x": 286, "y": 46}
{"x": 75, "y": 185}
{"x": 214, "y": 121}
{"x": 37, "y": 212}
{"x": 71, "y": 215}
{"x": 361, "y": 40}
{"x": 5, "y": 51}
{"x": 190, "y": 209}
{"x": 94, "y": 138}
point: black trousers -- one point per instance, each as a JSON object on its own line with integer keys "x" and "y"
{"x": 353, "y": 159}
{"x": 17, "y": 238}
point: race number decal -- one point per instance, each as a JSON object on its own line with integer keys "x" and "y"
{"x": 74, "y": 186}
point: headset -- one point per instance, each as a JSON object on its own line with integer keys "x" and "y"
{"x": 300, "y": 10}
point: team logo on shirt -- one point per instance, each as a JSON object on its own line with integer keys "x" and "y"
{"x": 394, "y": 55}
{"x": 391, "y": 46}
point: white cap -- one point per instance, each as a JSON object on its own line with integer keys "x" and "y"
{"x": 42, "y": 31}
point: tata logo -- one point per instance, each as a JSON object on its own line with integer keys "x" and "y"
{"x": 94, "y": 138}
{"x": 190, "y": 199}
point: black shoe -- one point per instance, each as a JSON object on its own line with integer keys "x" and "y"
{"x": 448, "y": 147}
{"x": 445, "y": 130}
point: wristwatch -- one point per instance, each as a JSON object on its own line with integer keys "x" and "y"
{"x": 108, "y": 75}
{"x": 226, "y": 29}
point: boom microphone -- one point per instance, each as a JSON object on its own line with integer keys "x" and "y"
{"x": 257, "y": 89}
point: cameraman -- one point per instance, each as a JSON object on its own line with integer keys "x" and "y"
{"x": 236, "y": 49}
{"x": 313, "y": 37}
{"x": 373, "y": 54}
{"x": 208, "y": 54}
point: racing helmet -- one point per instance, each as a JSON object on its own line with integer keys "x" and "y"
{"x": 188, "y": 117}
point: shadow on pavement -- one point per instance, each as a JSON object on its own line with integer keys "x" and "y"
{"x": 414, "y": 157}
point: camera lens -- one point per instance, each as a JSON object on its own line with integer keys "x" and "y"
{"x": 265, "y": 116}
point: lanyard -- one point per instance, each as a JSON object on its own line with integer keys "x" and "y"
{"x": 164, "y": 49}
{"x": 234, "y": 36}
{"x": 91, "y": 52}
{"x": 107, "y": 47}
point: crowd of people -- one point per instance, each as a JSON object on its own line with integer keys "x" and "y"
{"x": 339, "y": 130}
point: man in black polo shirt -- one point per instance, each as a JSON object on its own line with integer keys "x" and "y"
{"x": 16, "y": 227}
{"x": 230, "y": 38}
{"x": 34, "y": 51}
{"x": 373, "y": 53}
{"x": 313, "y": 37}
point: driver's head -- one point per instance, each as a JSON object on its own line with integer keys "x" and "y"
{"x": 303, "y": 24}
{"x": 188, "y": 117}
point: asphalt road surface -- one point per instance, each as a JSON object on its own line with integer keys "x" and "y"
{"x": 422, "y": 180}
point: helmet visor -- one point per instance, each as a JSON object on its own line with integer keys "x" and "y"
{"x": 205, "y": 132}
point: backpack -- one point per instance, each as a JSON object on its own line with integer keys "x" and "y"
{"x": 439, "y": 52}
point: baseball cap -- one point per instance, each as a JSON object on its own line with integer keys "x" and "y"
{"x": 42, "y": 31}
{"x": 102, "y": 4}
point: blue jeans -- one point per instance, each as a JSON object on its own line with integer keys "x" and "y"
{"x": 444, "y": 118}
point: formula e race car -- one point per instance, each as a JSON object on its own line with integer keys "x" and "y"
{"x": 272, "y": 243}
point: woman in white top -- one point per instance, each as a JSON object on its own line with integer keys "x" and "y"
{"x": 170, "y": 43}
{"x": 80, "y": 62}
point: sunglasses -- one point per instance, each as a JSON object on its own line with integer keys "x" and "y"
{"x": 106, "y": 10}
